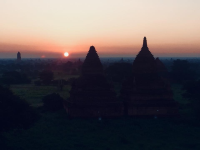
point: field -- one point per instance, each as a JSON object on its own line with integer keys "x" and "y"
{"x": 55, "y": 131}
{"x": 34, "y": 94}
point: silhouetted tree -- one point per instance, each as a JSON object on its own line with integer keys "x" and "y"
{"x": 46, "y": 76}
{"x": 181, "y": 71}
{"x": 192, "y": 92}
{"x": 14, "y": 77}
{"x": 68, "y": 66}
{"x": 71, "y": 81}
{"x": 14, "y": 112}
{"x": 119, "y": 71}
{"x": 37, "y": 83}
{"x": 53, "y": 102}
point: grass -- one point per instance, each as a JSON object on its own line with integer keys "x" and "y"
{"x": 184, "y": 103}
{"x": 177, "y": 91}
{"x": 34, "y": 94}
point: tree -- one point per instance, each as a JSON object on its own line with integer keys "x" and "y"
{"x": 192, "y": 89}
{"x": 181, "y": 71}
{"x": 46, "y": 76}
{"x": 14, "y": 77}
{"x": 119, "y": 71}
{"x": 15, "y": 112}
{"x": 53, "y": 102}
{"x": 68, "y": 66}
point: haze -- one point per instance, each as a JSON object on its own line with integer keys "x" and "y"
{"x": 115, "y": 27}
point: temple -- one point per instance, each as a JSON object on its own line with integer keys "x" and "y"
{"x": 18, "y": 56}
{"x": 147, "y": 92}
{"x": 91, "y": 95}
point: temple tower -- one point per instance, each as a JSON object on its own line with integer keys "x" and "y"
{"x": 146, "y": 93}
{"x": 18, "y": 56}
{"x": 91, "y": 95}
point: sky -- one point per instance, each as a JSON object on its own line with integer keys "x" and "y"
{"x": 39, "y": 28}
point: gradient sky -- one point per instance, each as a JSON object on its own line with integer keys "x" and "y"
{"x": 115, "y": 27}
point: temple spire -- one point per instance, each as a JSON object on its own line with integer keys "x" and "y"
{"x": 145, "y": 42}
{"x": 92, "y": 63}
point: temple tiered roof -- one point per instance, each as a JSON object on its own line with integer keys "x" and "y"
{"x": 144, "y": 61}
{"x": 146, "y": 93}
{"x": 92, "y": 63}
{"x": 91, "y": 95}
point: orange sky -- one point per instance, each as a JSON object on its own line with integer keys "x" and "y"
{"x": 115, "y": 27}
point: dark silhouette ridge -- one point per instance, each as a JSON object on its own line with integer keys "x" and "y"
{"x": 91, "y": 95}
{"x": 146, "y": 93}
{"x": 18, "y": 56}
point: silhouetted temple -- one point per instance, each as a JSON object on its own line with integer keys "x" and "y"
{"x": 18, "y": 56}
{"x": 91, "y": 95}
{"x": 146, "y": 93}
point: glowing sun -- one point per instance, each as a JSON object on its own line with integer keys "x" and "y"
{"x": 66, "y": 54}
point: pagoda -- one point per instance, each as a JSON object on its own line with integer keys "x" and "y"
{"x": 91, "y": 95}
{"x": 18, "y": 56}
{"x": 146, "y": 93}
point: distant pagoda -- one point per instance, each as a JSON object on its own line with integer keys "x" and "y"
{"x": 146, "y": 93}
{"x": 91, "y": 95}
{"x": 18, "y": 56}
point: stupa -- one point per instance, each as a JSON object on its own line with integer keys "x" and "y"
{"x": 146, "y": 93}
{"x": 91, "y": 95}
{"x": 18, "y": 56}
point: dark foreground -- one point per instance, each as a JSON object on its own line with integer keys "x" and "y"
{"x": 57, "y": 131}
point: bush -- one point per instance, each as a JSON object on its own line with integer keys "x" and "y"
{"x": 53, "y": 102}
{"x": 15, "y": 112}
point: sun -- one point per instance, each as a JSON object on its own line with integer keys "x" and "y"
{"x": 66, "y": 54}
